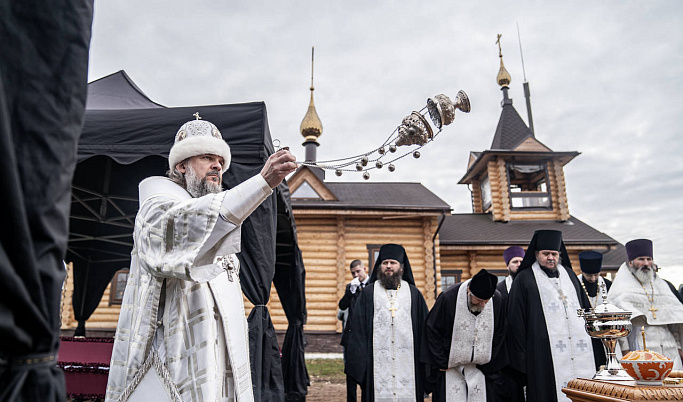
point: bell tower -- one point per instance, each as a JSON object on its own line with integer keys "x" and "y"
{"x": 518, "y": 178}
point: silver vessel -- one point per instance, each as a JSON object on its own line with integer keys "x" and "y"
{"x": 608, "y": 323}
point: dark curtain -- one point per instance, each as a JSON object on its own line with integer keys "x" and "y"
{"x": 43, "y": 74}
{"x": 289, "y": 281}
{"x": 257, "y": 260}
{"x": 89, "y": 286}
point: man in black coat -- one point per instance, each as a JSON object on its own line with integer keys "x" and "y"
{"x": 360, "y": 278}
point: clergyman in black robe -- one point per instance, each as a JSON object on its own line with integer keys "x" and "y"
{"x": 512, "y": 256}
{"x": 365, "y": 348}
{"x": 528, "y": 341}
{"x": 508, "y": 387}
{"x": 590, "y": 279}
{"x": 437, "y": 341}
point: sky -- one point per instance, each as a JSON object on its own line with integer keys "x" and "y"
{"x": 606, "y": 79}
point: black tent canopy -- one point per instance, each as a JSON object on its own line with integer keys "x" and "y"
{"x": 127, "y": 137}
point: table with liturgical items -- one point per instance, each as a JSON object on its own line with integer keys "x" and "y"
{"x": 584, "y": 390}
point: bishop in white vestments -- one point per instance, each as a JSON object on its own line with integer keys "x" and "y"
{"x": 653, "y": 301}
{"x": 546, "y": 340}
{"x": 382, "y": 351}
{"x": 463, "y": 341}
{"x": 182, "y": 325}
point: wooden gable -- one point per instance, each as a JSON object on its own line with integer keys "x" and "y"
{"x": 533, "y": 145}
{"x": 305, "y": 177}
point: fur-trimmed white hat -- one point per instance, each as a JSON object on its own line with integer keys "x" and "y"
{"x": 198, "y": 137}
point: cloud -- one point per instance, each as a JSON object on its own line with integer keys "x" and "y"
{"x": 605, "y": 80}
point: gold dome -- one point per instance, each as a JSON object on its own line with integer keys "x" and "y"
{"x": 311, "y": 127}
{"x": 503, "y": 77}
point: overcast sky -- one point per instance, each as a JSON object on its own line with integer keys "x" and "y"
{"x": 606, "y": 80}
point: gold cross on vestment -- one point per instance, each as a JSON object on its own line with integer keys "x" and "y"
{"x": 653, "y": 309}
{"x": 563, "y": 297}
{"x": 393, "y": 309}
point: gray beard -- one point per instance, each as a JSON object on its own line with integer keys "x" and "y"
{"x": 392, "y": 281}
{"x": 199, "y": 187}
{"x": 644, "y": 276}
{"x": 474, "y": 309}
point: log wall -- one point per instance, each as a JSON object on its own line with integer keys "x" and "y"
{"x": 328, "y": 244}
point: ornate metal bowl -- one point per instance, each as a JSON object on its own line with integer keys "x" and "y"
{"x": 608, "y": 323}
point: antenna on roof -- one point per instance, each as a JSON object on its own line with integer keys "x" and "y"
{"x": 527, "y": 93}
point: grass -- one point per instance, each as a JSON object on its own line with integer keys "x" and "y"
{"x": 326, "y": 369}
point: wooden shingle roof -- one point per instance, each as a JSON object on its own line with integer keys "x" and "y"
{"x": 385, "y": 196}
{"x": 480, "y": 229}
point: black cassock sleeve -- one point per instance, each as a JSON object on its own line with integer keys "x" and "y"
{"x": 499, "y": 355}
{"x": 437, "y": 334}
{"x": 358, "y": 346}
{"x": 517, "y": 322}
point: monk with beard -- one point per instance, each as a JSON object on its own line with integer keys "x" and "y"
{"x": 386, "y": 325}
{"x": 655, "y": 304}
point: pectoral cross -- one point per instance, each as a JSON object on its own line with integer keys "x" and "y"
{"x": 564, "y": 300}
{"x": 653, "y": 309}
{"x": 226, "y": 263}
{"x": 393, "y": 310}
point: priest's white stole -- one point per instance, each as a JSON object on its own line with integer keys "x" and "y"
{"x": 570, "y": 345}
{"x": 392, "y": 340}
{"x": 470, "y": 345}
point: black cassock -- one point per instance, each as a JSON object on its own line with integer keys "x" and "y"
{"x": 359, "y": 363}
{"x": 436, "y": 343}
{"x": 527, "y": 336}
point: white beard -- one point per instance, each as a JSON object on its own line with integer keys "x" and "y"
{"x": 199, "y": 187}
{"x": 644, "y": 276}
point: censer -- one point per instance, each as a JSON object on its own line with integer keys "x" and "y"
{"x": 415, "y": 130}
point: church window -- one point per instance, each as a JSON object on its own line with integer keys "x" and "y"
{"x": 373, "y": 253}
{"x": 485, "y": 187}
{"x": 501, "y": 274}
{"x": 529, "y": 186}
{"x": 118, "y": 285}
{"x": 305, "y": 191}
{"x": 450, "y": 277}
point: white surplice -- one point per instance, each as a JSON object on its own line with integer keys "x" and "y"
{"x": 186, "y": 245}
{"x": 663, "y": 334}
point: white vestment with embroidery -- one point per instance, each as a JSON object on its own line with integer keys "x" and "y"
{"x": 392, "y": 339}
{"x": 470, "y": 345}
{"x": 186, "y": 246}
{"x": 663, "y": 334}
{"x": 570, "y": 345}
